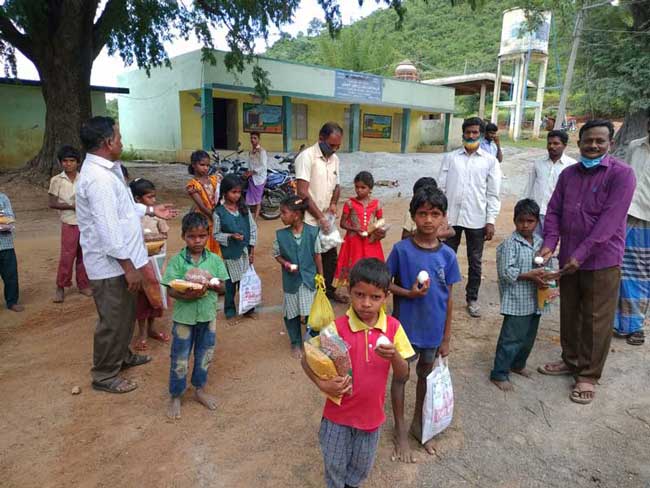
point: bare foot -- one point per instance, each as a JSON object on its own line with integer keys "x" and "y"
{"x": 174, "y": 408}
{"x": 208, "y": 401}
{"x": 87, "y": 292}
{"x": 401, "y": 450}
{"x": 583, "y": 393}
{"x": 503, "y": 385}
{"x": 17, "y": 308}
{"x": 231, "y": 322}
{"x": 429, "y": 447}
{"x": 59, "y": 295}
{"x": 416, "y": 431}
{"x": 296, "y": 352}
{"x": 522, "y": 372}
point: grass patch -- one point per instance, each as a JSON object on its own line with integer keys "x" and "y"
{"x": 525, "y": 142}
{"x": 130, "y": 154}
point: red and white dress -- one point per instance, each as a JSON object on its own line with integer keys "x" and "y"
{"x": 355, "y": 246}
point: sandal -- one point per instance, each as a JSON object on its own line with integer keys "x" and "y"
{"x": 160, "y": 336}
{"x": 577, "y": 394}
{"x": 116, "y": 385}
{"x": 636, "y": 338}
{"x": 555, "y": 369}
{"x": 141, "y": 345}
{"x": 138, "y": 360}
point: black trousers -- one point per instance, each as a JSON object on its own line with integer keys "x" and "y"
{"x": 329, "y": 268}
{"x": 9, "y": 274}
{"x": 475, "y": 239}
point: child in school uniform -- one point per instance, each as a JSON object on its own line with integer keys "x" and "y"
{"x": 424, "y": 303}
{"x": 297, "y": 249}
{"x": 153, "y": 228}
{"x": 195, "y": 314}
{"x": 236, "y": 231}
{"x": 519, "y": 280}
{"x": 8, "y": 262}
{"x": 349, "y": 432}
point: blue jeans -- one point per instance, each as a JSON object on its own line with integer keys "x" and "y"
{"x": 516, "y": 341}
{"x": 203, "y": 337}
{"x": 9, "y": 274}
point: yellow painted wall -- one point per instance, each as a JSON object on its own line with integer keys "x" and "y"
{"x": 318, "y": 112}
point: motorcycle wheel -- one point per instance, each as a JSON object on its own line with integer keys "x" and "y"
{"x": 271, "y": 204}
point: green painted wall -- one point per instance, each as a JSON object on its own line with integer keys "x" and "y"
{"x": 22, "y": 122}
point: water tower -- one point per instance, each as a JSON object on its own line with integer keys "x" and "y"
{"x": 520, "y": 48}
{"x": 406, "y": 70}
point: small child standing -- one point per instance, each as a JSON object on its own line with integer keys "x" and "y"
{"x": 8, "y": 262}
{"x": 154, "y": 228}
{"x": 349, "y": 432}
{"x": 236, "y": 231}
{"x": 518, "y": 284}
{"x": 423, "y": 271}
{"x": 358, "y": 214}
{"x": 195, "y": 313}
{"x": 203, "y": 189}
{"x": 297, "y": 248}
{"x": 408, "y": 226}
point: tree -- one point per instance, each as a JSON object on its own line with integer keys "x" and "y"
{"x": 64, "y": 37}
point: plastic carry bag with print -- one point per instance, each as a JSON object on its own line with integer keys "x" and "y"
{"x": 250, "y": 291}
{"x": 438, "y": 407}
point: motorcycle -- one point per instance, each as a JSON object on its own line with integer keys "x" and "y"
{"x": 280, "y": 183}
{"x": 227, "y": 166}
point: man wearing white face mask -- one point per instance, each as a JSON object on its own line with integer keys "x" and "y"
{"x": 471, "y": 179}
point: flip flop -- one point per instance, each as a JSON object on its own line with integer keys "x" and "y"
{"x": 553, "y": 372}
{"x": 636, "y": 339}
{"x": 576, "y": 394}
{"x": 138, "y": 360}
{"x": 160, "y": 336}
{"x": 116, "y": 385}
{"x": 141, "y": 345}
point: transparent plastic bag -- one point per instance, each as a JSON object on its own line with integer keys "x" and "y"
{"x": 547, "y": 296}
{"x": 200, "y": 276}
{"x": 333, "y": 238}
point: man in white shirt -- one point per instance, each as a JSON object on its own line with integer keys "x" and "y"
{"x": 114, "y": 252}
{"x": 257, "y": 171}
{"x": 545, "y": 172}
{"x": 317, "y": 175}
{"x": 634, "y": 295}
{"x": 471, "y": 179}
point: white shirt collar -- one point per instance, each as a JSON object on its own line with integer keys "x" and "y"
{"x": 94, "y": 158}
{"x": 480, "y": 151}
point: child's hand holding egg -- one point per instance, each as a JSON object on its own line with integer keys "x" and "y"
{"x": 423, "y": 277}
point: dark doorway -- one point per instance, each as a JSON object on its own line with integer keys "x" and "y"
{"x": 225, "y": 125}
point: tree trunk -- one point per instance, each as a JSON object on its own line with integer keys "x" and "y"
{"x": 635, "y": 126}
{"x": 64, "y": 65}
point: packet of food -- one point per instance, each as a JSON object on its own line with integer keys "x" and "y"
{"x": 336, "y": 349}
{"x": 197, "y": 275}
{"x": 320, "y": 363}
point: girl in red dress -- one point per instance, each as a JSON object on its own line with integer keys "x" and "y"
{"x": 362, "y": 219}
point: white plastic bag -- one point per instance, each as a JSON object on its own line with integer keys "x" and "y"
{"x": 250, "y": 290}
{"x": 438, "y": 407}
{"x": 333, "y": 237}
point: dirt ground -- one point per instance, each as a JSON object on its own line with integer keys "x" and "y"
{"x": 264, "y": 432}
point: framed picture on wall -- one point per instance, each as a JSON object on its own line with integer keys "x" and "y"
{"x": 377, "y": 126}
{"x": 262, "y": 118}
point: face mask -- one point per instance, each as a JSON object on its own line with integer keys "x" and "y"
{"x": 326, "y": 149}
{"x": 471, "y": 144}
{"x": 591, "y": 163}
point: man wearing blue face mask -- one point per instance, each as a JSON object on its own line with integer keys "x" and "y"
{"x": 587, "y": 214}
{"x": 471, "y": 179}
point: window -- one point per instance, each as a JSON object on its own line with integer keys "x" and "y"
{"x": 397, "y": 127}
{"x": 299, "y": 121}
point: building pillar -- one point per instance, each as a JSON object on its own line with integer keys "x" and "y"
{"x": 497, "y": 94}
{"x": 406, "y": 127}
{"x": 447, "y": 129}
{"x": 287, "y": 129}
{"x": 541, "y": 83}
{"x": 481, "y": 103}
{"x": 207, "y": 119}
{"x": 355, "y": 127}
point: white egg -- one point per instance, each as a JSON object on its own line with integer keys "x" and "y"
{"x": 383, "y": 341}
{"x": 364, "y": 234}
{"x": 293, "y": 267}
{"x": 147, "y": 231}
{"x": 215, "y": 282}
{"x": 423, "y": 276}
{"x": 539, "y": 260}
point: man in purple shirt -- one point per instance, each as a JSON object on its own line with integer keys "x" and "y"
{"x": 587, "y": 213}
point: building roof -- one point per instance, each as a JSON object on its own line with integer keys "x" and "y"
{"x": 20, "y": 81}
{"x": 470, "y": 84}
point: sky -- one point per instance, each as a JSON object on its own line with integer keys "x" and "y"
{"x": 106, "y": 68}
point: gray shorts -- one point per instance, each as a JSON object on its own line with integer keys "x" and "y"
{"x": 348, "y": 453}
{"x": 428, "y": 354}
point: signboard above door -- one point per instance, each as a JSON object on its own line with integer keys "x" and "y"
{"x": 358, "y": 87}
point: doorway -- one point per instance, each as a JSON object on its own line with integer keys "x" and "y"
{"x": 225, "y": 126}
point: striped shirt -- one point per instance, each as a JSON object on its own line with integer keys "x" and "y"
{"x": 515, "y": 256}
{"x": 6, "y": 237}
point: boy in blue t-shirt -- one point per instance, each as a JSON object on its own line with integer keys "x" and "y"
{"x": 424, "y": 305}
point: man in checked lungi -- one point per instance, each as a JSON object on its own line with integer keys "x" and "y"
{"x": 634, "y": 296}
